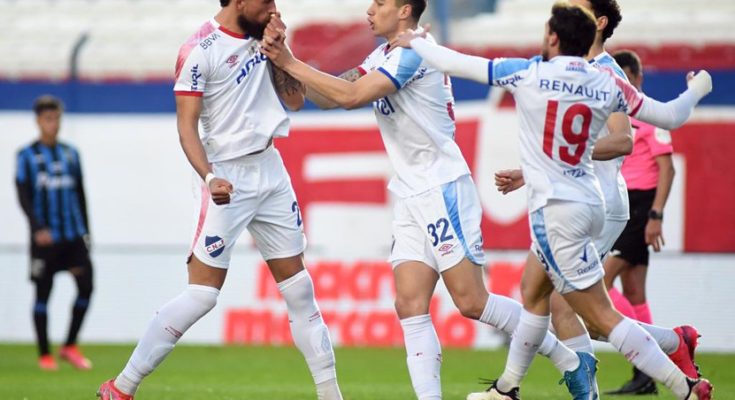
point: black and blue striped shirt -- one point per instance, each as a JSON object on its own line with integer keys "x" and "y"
{"x": 50, "y": 189}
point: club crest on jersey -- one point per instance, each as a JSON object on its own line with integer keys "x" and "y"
{"x": 232, "y": 60}
{"x": 576, "y": 66}
{"x": 249, "y": 65}
{"x": 214, "y": 245}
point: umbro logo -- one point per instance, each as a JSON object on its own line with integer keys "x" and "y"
{"x": 232, "y": 60}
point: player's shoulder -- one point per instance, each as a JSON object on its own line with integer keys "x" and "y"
{"x": 203, "y": 39}
{"x": 605, "y": 61}
{"x": 27, "y": 149}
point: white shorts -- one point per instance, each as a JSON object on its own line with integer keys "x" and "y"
{"x": 439, "y": 227}
{"x": 263, "y": 202}
{"x": 607, "y": 237}
{"x": 563, "y": 235}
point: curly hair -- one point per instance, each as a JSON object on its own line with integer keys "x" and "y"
{"x": 609, "y": 9}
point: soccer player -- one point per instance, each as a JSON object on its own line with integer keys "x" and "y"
{"x": 649, "y": 173}
{"x": 227, "y": 84}
{"x": 436, "y": 225}
{"x": 615, "y": 141}
{"x": 51, "y": 193}
{"x": 563, "y": 103}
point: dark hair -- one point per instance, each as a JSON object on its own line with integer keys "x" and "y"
{"x": 609, "y": 9}
{"x": 628, "y": 58}
{"x": 46, "y": 103}
{"x": 224, "y": 3}
{"x": 575, "y": 26}
{"x": 417, "y": 7}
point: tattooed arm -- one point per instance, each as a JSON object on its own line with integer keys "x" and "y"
{"x": 324, "y": 103}
{"x": 290, "y": 90}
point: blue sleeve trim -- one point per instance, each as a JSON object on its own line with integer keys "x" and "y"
{"x": 490, "y": 72}
{"x": 392, "y": 79}
{"x": 509, "y": 66}
{"x": 408, "y": 64}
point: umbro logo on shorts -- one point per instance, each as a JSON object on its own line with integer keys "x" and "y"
{"x": 214, "y": 245}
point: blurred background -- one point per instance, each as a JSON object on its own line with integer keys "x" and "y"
{"x": 112, "y": 63}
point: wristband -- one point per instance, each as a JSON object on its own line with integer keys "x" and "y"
{"x": 209, "y": 178}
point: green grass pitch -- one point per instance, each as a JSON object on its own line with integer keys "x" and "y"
{"x": 265, "y": 373}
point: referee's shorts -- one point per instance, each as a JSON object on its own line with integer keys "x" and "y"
{"x": 631, "y": 245}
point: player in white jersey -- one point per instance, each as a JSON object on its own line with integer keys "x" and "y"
{"x": 563, "y": 102}
{"x": 227, "y": 84}
{"x": 615, "y": 140}
{"x": 436, "y": 225}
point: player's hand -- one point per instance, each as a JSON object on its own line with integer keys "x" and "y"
{"x": 654, "y": 234}
{"x": 509, "y": 180}
{"x": 43, "y": 238}
{"x": 276, "y": 28}
{"x": 221, "y": 191}
{"x": 404, "y": 38}
{"x": 278, "y": 52}
{"x": 701, "y": 82}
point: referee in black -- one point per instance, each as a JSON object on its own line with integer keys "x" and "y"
{"x": 49, "y": 183}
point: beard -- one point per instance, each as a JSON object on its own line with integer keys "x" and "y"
{"x": 254, "y": 29}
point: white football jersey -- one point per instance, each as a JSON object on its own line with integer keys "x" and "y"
{"x": 562, "y": 104}
{"x": 241, "y": 111}
{"x": 416, "y": 122}
{"x": 608, "y": 172}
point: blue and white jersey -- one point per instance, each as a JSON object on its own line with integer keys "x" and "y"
{"x": 608, "y": 172}
{"x": 416, "y": 122}
{"x": 562, "y": 104}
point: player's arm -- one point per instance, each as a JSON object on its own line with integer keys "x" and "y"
{"x": 290, "y": 90}
{"x": 323, "y": 102}
{"x": 24, "y": 187}
{"x": 80, "y": 191}
{"x": 348, "y": 95}
{"x": 672, "y": 114}
{"x": 446, "y": 60}
{"x": 666, "y": 174}
{"x": 188, "y": 110}
{"x": 618, "y": 143}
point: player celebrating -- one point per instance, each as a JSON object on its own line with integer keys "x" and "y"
{"x": 563, "y": 104}
{"x": 437, "y": 217}
{"x": 224, "y": 81}
{"x": 679, "y": 343}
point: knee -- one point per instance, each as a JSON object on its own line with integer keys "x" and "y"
{"x": 206, "y": 297}
{"x": 410, "y": 306}
{"x": 634, "y": 294}
{"x": 470, "y": 306}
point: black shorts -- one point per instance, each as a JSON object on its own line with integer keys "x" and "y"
{"x": 46, "y": 261}
{"x": 631, "y": 245}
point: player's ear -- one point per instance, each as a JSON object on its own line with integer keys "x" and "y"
{"x": 405, "y": 11}
{"x": 602, "y": 23}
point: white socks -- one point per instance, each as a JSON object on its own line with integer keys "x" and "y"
{"x": 643, "y": 352}
{"x": 166, "y": 328}
{"x": 527, "y": 338}
{"x": 504, "y": 313}
{"x": 310, "y": 334}
{"x": 582, "y": 344}
{"x": 666, "y": 338}
{"x": 423, "y": 356}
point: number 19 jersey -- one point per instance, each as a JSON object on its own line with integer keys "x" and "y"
{"x": 563, "y": 104}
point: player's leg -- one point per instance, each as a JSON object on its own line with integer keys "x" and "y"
{"x": 415, "y": 282}
{"x": 594, "y": 305}
{"x": 415, "y": 275}
{"x": 81, "y": 271}
{"x": 43, "y": 284}
{"x": 532, "y": 327}
{"x": 614, "y": 266}
{"x": 278, "y": 233}
{"x": 216, "y": 231}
